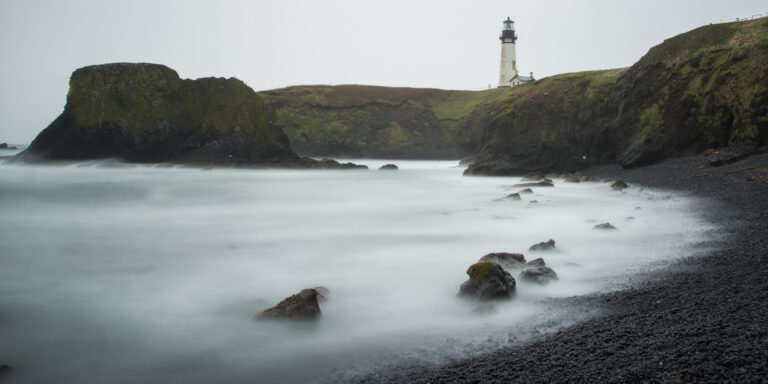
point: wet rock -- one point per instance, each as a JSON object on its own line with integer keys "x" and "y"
{"x": 605, "y": 226}
{"x": 513, "y": 196}
{"x": 537, "y": 271}
{"x": 618, "y": 185}
{"x": 533, "y": 202}
{"x": 3, "y": 145}
{"x": 302, "y": 305}
{"x": 543, "y": 246}
{"x": 505, "y": 260}
{"x": 572, "y": 179}
{"x": 388, "y": 166}
{"x": 487, "y": 281}
{"x": 525, "y": 190}
{"x": 534, "y": 176}
{"x": 543, "y": 183}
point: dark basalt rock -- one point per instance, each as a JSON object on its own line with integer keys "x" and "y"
{"x": 605, "y": 227}
{"x": 301, "y": 306}
{"x": 388, "y": 166}
{"x": 537, "y": 271}
{"x": 543, "y": 183}
{"x": 487, "y": 281}
{"x": 525, "y": 190}
{"x": 543, "y": 246}
{"x": 513, "y": 196}
{"x": 505, "y": 260}
{"x": 618, "y": 185}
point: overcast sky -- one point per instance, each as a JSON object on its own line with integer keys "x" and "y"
{"x": 273, "y": 44}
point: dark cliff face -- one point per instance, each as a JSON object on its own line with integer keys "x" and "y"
{"x": 707, "y": 88}
{"x": 146, "y": 113}
{"x": 384, "y": 122}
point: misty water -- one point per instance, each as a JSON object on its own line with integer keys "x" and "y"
{"x": 114, "y": 273}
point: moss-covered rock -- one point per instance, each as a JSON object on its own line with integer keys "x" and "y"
{"x": 146, "y": 113}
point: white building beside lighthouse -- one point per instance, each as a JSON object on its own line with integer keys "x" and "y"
{"x": 508, "y": 75}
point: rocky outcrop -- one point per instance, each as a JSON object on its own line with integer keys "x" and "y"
{"x": 301, "y": 306}
{"x": 505, "y": 260}
{"x": 543, "y": 183}
{"x": 605, "y": 227}
{"x": 146, "y": 113}
{"x": 382, "y": 122}
{"x": 487, "y": 281}
{"x": 543, "y": 246}
{"x": 537, "y": 271}
{"x": 707, "y": 88}
{"x": 392, "y": 167}
{"x": 513, "y": 196}
{"x": 619, "y": 185}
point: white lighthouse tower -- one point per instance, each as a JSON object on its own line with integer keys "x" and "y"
{"x": 508, "y": 76}
{"x": 508, "y": 69}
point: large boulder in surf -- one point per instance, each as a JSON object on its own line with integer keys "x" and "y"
{"x": 487, "y": 281}
{"x": 301, "y": 306}
{"x": 619, "y": 185}
{"x": 143, "y": 112}
{"x": 537, "y": 271}
{"x": 505, "y": 260}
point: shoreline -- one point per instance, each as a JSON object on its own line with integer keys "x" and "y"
{"x": 701, "y": 319}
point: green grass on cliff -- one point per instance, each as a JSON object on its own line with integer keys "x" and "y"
{"x": 461, "y": 104}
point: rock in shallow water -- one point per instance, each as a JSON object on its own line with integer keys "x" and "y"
{"x": 543, "y": 183}
{"x": 605, "y": 227}
{"x": 302, "y": 305}
{"x": 487, "y": 281}
{"x": 537, "y": 271}
{"x": 513, "y": 196}
{"x": 543, "y": 246}
{"x": 505, "y": 260}
{"x": 618, "y": 185}
{"x": 388, "y": 166}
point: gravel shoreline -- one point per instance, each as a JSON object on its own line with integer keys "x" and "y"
{"x": 704, "y": 319}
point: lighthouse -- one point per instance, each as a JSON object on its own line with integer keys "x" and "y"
{"x": 508, "y": 76}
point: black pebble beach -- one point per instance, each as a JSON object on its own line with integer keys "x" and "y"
{"x": 702, "y": 319}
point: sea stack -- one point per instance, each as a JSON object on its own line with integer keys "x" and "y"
{"x": 142, "y": 112}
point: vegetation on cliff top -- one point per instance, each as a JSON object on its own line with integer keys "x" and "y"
{"x": 358, "y": 120}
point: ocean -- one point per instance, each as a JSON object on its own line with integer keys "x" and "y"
{"x": 126, "y": 273}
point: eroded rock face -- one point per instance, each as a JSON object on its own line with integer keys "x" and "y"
{"x": 537, "y": 271}
{"x": 543, "y": 246}
{"x": 301, "y": 306}
{"x": 682, "y": 97}
{"x": 505, "y": 260}
{"x": 142, "y": 112}
{"x": 487, "y": 281}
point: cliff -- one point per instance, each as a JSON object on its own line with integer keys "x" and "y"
{"x": 146, "y": 113}
{"x": 707, "y": 88}
{"x": 384, "y": 122}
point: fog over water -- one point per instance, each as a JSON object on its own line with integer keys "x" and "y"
{"x": 143, "y": 274}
